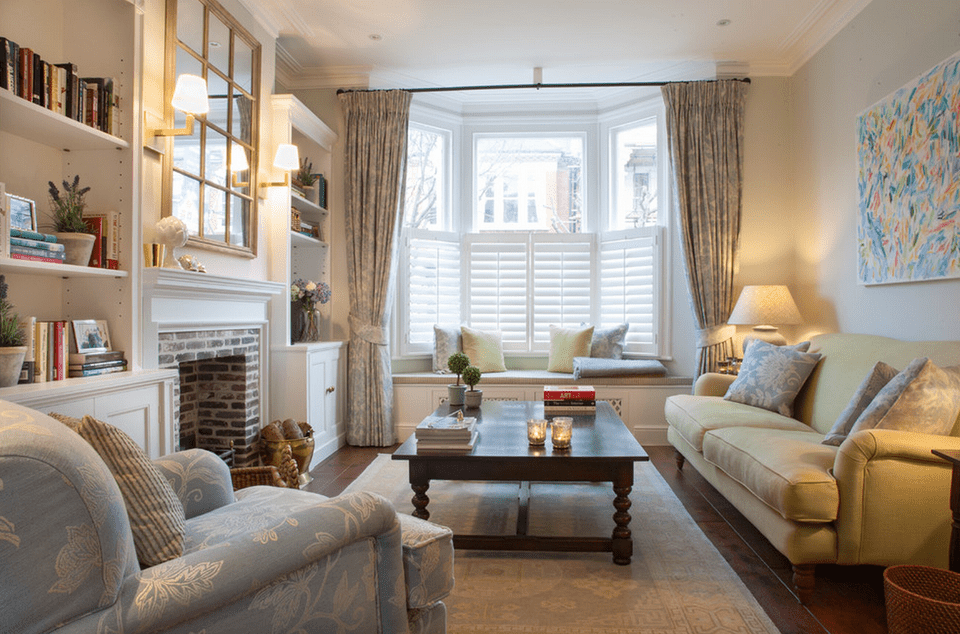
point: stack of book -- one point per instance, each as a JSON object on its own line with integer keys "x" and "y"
{"x": 569, "y": 400}
{"x": 95, "y": 363}
{"x": 452, "y": 433}
{"x": 35, "y": 246}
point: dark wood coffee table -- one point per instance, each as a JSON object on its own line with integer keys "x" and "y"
{"x": 602, "y": 450}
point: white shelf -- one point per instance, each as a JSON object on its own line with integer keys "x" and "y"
{"x": 36, "y": 123}
{"x": 29, "y": 267}
{"x": 298, "y": 239}
{"x": 307, "y": 208}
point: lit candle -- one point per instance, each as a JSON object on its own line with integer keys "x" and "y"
{"x": 537, "y": 431}
{"x": 561, "y": 430}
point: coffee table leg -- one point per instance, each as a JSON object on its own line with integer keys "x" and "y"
{"x": 622, "y": 541}
{"x": 419, "y": 482}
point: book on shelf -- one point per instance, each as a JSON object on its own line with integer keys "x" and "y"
{"x": 109, "y": 238}
{"x": 80, "y": 358}
{"x": 4, "y": 223}
{"x": 97, "y": 365}
{"x": 28, "y": 326}
{"x": 34, "y": 258}
{"x": 42, "y": 245}
{"x": 41, "y": 344}
{"x": 25, "y": 73}
{"x": 569, "y": 392}
{"x": 73, "y": 374}
{"x": 33, "y": 235}
{"x": 59, "y": 350}
{"x": 43, "y": 254}
{"x": 95, "y": 225}
{"x": 9, "y": 62}
{"x": 571, "y": 403}
{"x": 569, "y": 410}
{"x": 426, "y": 446}
{"x": 70, "y": 88}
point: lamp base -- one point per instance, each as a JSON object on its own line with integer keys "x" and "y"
{"x": 770, "y": 334}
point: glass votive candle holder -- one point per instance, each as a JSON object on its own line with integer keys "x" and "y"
{"x": 536, "y": 431}
{"x": 561, "y": 430}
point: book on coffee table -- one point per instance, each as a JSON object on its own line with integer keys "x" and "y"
{"x": 447, "y": 445}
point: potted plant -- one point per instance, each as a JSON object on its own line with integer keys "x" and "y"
{"x": 473, "y": 396}
{"x": 305, "y": 178}
{"x": 68, "y": 224}
{"x": 457, "y": 363}
{"x": 12, "y": 349}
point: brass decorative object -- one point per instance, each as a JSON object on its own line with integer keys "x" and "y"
{"x": 272, "y": 450}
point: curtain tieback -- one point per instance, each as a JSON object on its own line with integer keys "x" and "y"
{"x": 371, "y": 333}
{"x": 714, "y": 335}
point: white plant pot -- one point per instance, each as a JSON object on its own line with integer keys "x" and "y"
{"x": 455, "y": 394}
{"x": 11, "y": 361}
{"x": 472, "y": 398}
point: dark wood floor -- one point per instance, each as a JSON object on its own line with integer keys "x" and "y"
{"x": 847, "y": 599}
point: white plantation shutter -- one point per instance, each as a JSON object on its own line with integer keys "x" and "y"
{"x": 498, "y": 286}
{"x": 562, "y": 281}
{"x": 629, "y": 286}
{"x": 432, "y": 287}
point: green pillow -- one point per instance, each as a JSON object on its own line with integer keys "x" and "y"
{"x": 484, "y": 348}
{"x": 567, "y": 343}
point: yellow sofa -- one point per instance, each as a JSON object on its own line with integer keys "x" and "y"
{"x": 880, "y": 498}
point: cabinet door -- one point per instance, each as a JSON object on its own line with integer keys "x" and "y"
{"x": 322, "y": 403}
{"x": 136, "y": 412}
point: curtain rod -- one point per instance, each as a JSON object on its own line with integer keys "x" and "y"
{"x": 624, "y": 84}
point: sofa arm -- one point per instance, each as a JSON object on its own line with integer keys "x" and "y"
{"x": 712, "y": 384}
{"x": 199, "y": 478}
{"x": 894, "y": 498}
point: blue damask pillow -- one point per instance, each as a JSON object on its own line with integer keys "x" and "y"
{"x": 607, "y": 343}
{"x": 879, "y": 376}
{"x": 447, "y": 340}
{"x": 771, "y": 377}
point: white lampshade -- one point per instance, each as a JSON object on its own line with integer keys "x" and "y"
{"x": 287, "y": 157}
{"x": 190, "y": 95}
{"x": 238, "y": 159}
{"x": 767, "y": 305}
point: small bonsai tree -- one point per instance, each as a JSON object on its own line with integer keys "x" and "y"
{"x": 471, "y": 376}
{"x": 68, "y": 207}
{"x": 457, "y": 363}
{"x": 10, "y": 333}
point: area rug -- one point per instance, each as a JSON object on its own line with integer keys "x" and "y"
{"x": 677, "y": 582}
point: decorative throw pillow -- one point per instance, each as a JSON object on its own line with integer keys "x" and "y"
{"x": 879, "y": 376}
{"x": 567, "y": 343}
{"x": 153, "y": 508}
{"x": 771, "y": 377}
{"x": 446, "y": 341}
{"x": 607, "y": 343}
{"x": 485, "y": 349}
{"x": 803, "y": 346}
{"x": 922, "y": 398}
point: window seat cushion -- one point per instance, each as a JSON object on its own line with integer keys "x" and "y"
{"x": 538, "y": 377}
{"x": 589, "y": 367}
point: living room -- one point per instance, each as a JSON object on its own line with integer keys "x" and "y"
{"x": 798, "y": 226}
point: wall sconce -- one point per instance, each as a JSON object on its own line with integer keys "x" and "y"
{"x": 286, "y": 159}
{"x": 189, "y": 97}
{"x": 238, "y": 163}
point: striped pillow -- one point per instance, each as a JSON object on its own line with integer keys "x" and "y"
{"x": 155, "y": 512}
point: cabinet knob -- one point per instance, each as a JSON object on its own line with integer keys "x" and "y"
{"x": 331, "y": 389}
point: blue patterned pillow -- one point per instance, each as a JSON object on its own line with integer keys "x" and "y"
{"x": 771, "y": 377}
{"x": 607, "y": 343}
{"x": 879, "y": 376}
{"x": 446, "y": 341}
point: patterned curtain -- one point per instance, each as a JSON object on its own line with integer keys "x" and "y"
{"x": 375, "y": 169}
{"x": 705, "y": 130}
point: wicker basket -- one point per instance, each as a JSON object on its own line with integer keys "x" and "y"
{"x": 922, "y": 600}
{"x": 244, "y": 477}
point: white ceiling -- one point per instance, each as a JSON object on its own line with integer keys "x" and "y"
{"x": 414, "y": 43}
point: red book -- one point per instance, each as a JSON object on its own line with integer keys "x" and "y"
{"x": 569, "y": 393}
{"x": 34, "y": 258}
{"x": 59, "y": 350}
{"x": 96, "y": 226}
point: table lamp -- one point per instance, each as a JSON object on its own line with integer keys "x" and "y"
{"x": 764, "y": 308}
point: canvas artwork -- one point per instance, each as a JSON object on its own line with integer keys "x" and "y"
{"x": 909, "y": 181}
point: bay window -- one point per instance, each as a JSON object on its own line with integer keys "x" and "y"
{"x": 541, "y": 235}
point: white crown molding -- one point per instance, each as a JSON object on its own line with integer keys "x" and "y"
{"x": 277, "y": 17}
{"x": 820, "y": 26}
{"x": 292, "y": 76}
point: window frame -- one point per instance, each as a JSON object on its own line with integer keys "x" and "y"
{"x": 247, "y": 193}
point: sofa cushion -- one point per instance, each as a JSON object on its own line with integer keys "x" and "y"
{"x": 427, "y": 560}
{"x": 446, "y": 341}
{"x": 565, "y": 344}
{"x": 879, "y": 376}
{"x": 693, "y": 416}
{"x": 790, "y": 471}
{"x": 922, "y": 398}
{"x": 485, "y": 349}
{"x": 771, "y": 376}
{"x": 607, "y": 343}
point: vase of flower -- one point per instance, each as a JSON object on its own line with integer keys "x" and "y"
{"x": 305, "y": 297}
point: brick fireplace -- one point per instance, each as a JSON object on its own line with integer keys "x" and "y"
{"x": 215, "y": 331}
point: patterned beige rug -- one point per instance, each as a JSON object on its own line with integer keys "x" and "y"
{"x": 677, "y": 582}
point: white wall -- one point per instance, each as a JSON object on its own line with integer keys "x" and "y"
{"x": 887, "y": 45}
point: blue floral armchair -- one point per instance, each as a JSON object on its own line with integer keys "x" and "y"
{"x": 263, "y": 559}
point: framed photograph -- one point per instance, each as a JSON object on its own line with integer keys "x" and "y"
{"x": 104, "y": 333}
{"x": 23, "y": 213}
{"x": 86, "y": 332}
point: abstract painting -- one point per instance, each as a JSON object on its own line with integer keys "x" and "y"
{"x": 909, "y": 181}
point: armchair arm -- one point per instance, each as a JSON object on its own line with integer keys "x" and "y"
{"x": 284, "y": 560}
{"x": 712, "y": 384}
{"x": 200, "y": 479}
{"x": 894, "y": 498}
